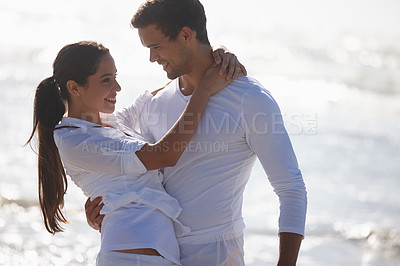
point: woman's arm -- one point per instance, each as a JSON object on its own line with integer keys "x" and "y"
{"x": 168, "y": 150}
{"x": 95, "y": 150}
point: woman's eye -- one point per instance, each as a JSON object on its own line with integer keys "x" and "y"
{"x": 106, "y": 80}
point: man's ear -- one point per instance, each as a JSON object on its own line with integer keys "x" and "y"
{"x": 187, "y": 34}
{"x": 73, "y": 87}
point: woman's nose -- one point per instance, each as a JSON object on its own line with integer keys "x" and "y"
{"x": 117, "y": 87}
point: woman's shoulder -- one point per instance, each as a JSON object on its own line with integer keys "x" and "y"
{"x": 73, "y": 131}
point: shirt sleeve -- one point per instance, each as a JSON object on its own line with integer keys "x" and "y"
{"x": 129, "y": 116}
{"x": 267, "y": 137}
{"x": 144, "y": 123}
{"x": 83, "y": 149}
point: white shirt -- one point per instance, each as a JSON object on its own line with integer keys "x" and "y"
{"x": 240, "y": 123}
{"x": 102, "y": 162}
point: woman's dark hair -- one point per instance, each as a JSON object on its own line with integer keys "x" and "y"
{"x": 75, "y": 62}
{"x": 170, "y": 16}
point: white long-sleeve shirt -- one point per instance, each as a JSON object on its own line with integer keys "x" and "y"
{"x": 241, "y": 123}
{"x": 102, "y": 162}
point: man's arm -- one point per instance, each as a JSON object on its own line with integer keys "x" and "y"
{"x": 267, "y": 137}
{"x": 289, "y": 246}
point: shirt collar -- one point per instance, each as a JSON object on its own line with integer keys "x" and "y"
{"x": 75, "y": 122}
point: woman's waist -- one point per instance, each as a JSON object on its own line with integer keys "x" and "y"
{"x": 140, "y": 227}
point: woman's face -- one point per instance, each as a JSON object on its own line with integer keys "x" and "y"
{"x": 100, "y": 92}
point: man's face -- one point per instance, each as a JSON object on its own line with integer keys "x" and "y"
{"x": 172, "y": 55}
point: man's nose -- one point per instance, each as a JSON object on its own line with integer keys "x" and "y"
{"x": 153, "y": 55}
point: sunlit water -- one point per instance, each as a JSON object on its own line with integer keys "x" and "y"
{"x": 333, "y": 67}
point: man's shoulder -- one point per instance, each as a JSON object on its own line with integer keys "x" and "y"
{"x": 169, "y": 88}
{"x": 166, "y": 99}
{"x": 249, "y": 87}
{"x": 247, "y": 81}
{"x": 252, "y": 94}
{"x": 167, "y": 92}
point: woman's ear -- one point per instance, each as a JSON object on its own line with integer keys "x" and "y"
{"x": 73, "y": 88}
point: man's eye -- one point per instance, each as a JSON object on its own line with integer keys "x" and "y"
{"x": 106, "y": 80}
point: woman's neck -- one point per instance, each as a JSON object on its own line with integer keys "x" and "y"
{"x": 93, "y": 117}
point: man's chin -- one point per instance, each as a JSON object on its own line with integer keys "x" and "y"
{"x": 172, "y": 76}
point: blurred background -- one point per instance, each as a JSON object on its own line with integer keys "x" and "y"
{"x": 333, "y": 67}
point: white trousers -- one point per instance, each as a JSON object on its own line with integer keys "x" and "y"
{"x": 112, "y": 258}
{"x": 225, "y": 251}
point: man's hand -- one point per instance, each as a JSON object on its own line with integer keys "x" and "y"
{"x": 92, "y": 210}
{"x": 289, "y": 246}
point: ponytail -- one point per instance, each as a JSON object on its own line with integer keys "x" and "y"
{"x": 49, "y": 108}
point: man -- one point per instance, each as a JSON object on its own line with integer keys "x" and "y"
{"x": 241, "y": 123}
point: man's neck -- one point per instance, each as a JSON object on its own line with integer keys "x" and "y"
{"x": 202, "y": 60}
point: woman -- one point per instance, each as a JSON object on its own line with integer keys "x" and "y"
{"x": 105, "y": 159}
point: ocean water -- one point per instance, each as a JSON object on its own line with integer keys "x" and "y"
{"x": 333, "y": 67}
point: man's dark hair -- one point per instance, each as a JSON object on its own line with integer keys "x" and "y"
{"x": 170, "y": 16}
